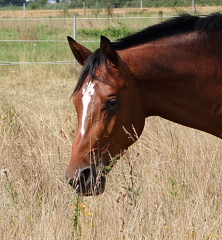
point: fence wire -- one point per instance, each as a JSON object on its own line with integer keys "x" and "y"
{"x": 58, "y": 41}
{"x": 30, "y": 63}
{"x": 79, "y": 18}
{"x": 45, "y": 41}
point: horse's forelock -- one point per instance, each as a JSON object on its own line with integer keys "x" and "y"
{"x": 93, "y": 63}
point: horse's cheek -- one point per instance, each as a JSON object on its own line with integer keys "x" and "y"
{"x": 110, "y": 126}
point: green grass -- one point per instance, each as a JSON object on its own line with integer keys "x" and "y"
{"x": 31, "y": 52}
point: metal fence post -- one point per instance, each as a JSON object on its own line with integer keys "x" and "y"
{"x": 193, "y": 6}
{"x": 23, "y": 9}
{"x": 74, "y": 37}
{"x": 141, "y": 5}
{"x": 84, "y": 8}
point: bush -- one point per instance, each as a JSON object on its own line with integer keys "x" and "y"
{"x": 113, "y": 32}
{"x": 37, "y": 4}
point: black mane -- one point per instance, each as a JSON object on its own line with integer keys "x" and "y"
{"x": 178, "y": 25}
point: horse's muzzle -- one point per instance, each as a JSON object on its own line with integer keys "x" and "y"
{"x": 87, "y": 181}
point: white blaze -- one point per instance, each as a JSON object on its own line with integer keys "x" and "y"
{"x": 86, "y": 98}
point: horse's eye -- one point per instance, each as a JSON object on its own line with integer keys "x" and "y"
{"x": 111, "y": 104}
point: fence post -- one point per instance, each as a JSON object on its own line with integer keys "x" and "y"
{"x": 193, "y": 6}
{"x": 74, "y": 37}
{"x": 84, "y": 8}
{"x": 141, "y": 5}
{"x": 23, "y": 9}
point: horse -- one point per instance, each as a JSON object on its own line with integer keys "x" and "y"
{"x": 172, "y": 70}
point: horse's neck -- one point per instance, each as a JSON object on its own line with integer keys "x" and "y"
{"x": 164, "y": 73}
{"x": 173, "y": 81}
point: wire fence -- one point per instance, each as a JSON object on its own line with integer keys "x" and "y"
{"x": 72, "y": 22}
{"x": 74, "y": 19}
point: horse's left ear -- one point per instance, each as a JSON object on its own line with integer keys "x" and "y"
{"x": 108, "y": 51}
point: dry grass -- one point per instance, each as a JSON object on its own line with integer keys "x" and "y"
{"x": 168, "y": 186}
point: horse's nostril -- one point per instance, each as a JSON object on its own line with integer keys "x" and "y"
{"x": 71, "y": 182}
{"x": 82, "y": 179}
{"x": 85, "y": 176}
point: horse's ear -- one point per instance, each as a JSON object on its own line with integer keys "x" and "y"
{"x": 80, "y": 52}
{"x": 108, "y": 51}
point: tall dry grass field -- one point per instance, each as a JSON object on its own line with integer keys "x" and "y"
{"x": 167, "y": 186}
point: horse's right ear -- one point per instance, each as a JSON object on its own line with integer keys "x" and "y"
{"x": 108, "y": 51}
{"x": 80, "y": 52}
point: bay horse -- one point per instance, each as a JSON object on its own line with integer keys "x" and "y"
{"x": 172, "y": 70}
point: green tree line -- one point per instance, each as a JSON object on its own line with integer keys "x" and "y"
{"x": 136, "y": 3}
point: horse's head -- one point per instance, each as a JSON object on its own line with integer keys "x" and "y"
{"x": 110, "y": 116}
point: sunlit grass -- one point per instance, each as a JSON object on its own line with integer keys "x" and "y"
{"x": 169, "y": 179}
